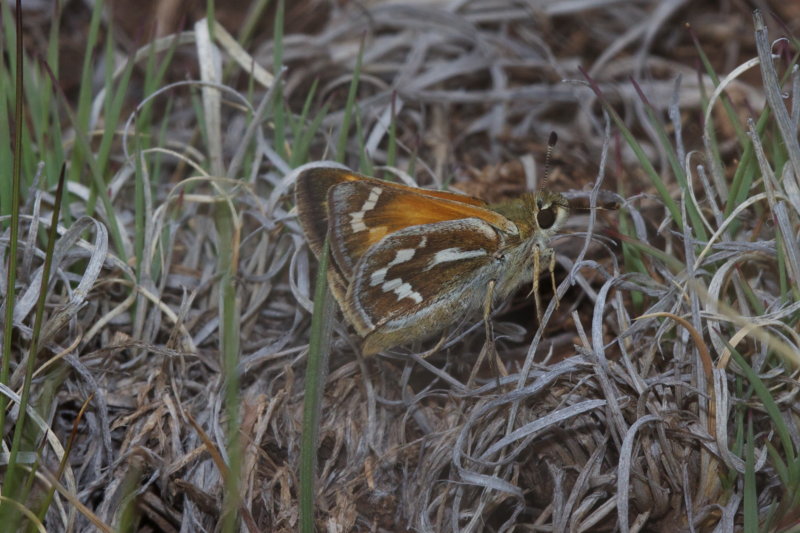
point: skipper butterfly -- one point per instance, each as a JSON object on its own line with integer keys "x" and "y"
{"x": 408, "y": 262}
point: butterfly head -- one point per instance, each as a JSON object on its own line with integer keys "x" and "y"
{"x": 537, "y": 215}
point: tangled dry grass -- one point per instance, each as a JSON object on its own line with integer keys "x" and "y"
{"x": 628, "y": 409}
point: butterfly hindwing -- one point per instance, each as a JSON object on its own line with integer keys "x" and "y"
{"x": 419, "y": 273}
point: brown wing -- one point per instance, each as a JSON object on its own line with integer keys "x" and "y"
{"x": 311, "y": 198}
{"x": 420, "y": 280}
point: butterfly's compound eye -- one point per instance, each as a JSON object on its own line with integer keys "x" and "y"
{"x": 546, "y": 217}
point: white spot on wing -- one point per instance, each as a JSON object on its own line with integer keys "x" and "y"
{"x": 378, "y": 276}
{"x": 357, "y": 218}
{"x": 357, "y": 222}
{"x": 453, "y": 254}
{"x": 402, "y": 290}
{"x": 400, "y": 256}
{"x": 374, "y": 194}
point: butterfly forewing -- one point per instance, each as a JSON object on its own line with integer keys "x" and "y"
{"x": 311, "y": 198}
{"x": 364, "y": 212}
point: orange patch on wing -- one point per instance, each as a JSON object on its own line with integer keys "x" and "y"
{"x": 403, "y": 210}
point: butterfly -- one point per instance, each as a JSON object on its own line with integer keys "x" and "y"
{"x": 406, "y": 262}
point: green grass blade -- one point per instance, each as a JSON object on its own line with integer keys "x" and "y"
{"x": 750, "y": 501}
{"x": 364, "y": 162}
{"x": 279, "y": 111}
{"x": 774, "y": 413}
{"x": 8, "y": 101}
{"x": 391, "y": 148}
{"x": 20, "y": 429}
{"x": 8, "y": 513}
{"x": 301, "y": 134}
{"x": 113, "y": 109}
{"x": 16, "y": 180}
{"x": 319, "y": 344}
{"x": 316, "y": 372}
{"x": 230, "y": 333}
{"x": 254, "y": 16}
{"x": 341, "y": 146}
{"x": 303, "y": 145}
{"x": 81, "y": 118}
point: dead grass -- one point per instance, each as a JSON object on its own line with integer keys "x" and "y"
{"x": 626, "y": 411}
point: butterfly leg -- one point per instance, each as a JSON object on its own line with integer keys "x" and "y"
{"x": 536, "y": 268}
{"x": 489, "y": 350}
{"x": 553, "y": 275}
{"x": 487, "y": 310}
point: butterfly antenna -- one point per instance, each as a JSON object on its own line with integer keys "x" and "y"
{"x": 551, "y": 142}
